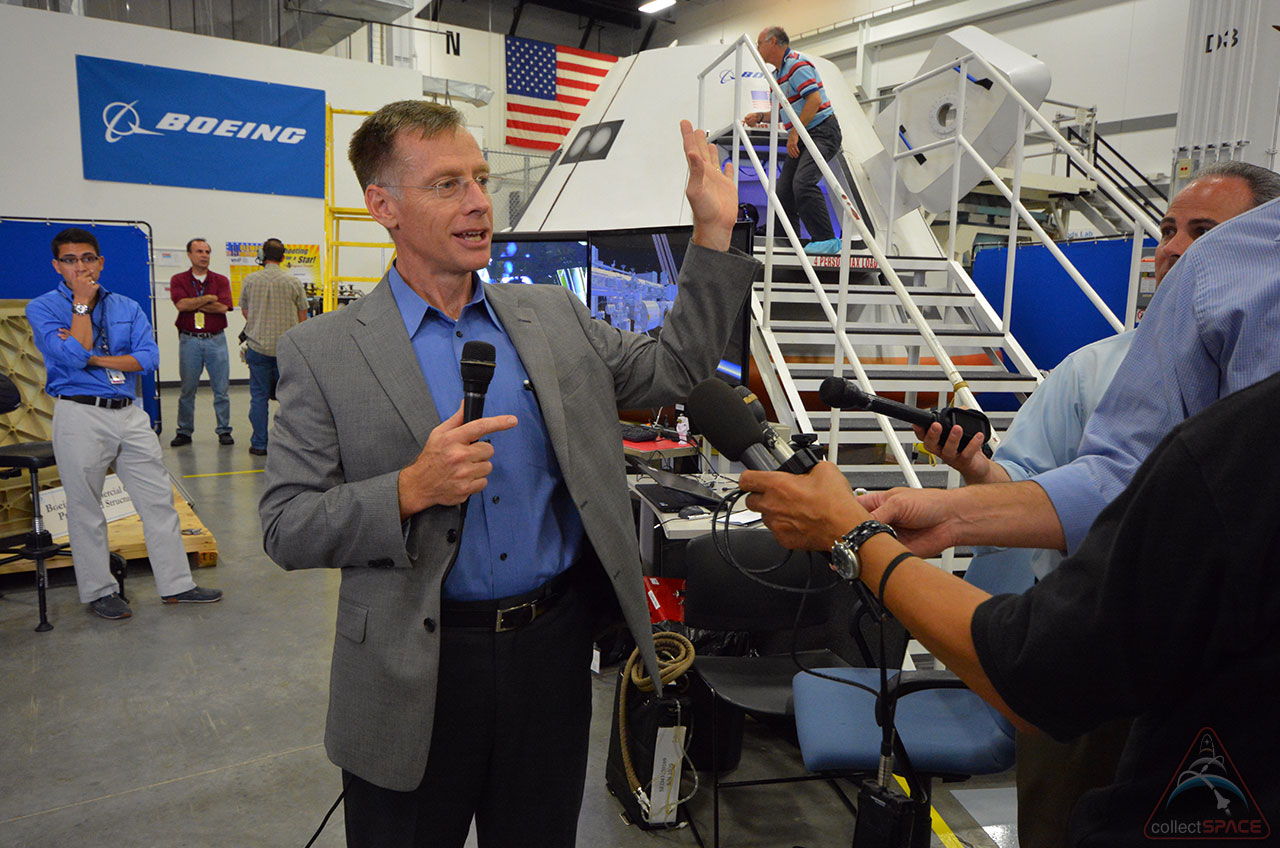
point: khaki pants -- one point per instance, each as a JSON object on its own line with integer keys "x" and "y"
{"x": 1052, "y": 776}
{"x": 87, "y": 440}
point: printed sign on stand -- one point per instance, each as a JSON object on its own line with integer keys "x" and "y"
{"x": 116, "y": 504}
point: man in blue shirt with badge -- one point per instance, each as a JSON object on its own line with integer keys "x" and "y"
{"x": 93, "y": 343}
{"x": 802, "y": 200}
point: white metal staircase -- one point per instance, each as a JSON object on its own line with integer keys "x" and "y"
{"x": 915, "y": 325}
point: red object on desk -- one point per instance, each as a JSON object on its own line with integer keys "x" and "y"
{"x": 666, "y": 598}
{"x": 659, "y": 444}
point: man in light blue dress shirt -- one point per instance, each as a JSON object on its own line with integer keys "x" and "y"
{"x": 1046, "y": 434}
{"x": 1209, "y": 331}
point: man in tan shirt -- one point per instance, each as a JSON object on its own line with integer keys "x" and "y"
{"x": 271, "y": 301}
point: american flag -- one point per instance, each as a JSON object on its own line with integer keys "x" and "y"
{"x": 548, "y": 86}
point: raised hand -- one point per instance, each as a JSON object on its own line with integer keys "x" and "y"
{"x": 712, "y": 195}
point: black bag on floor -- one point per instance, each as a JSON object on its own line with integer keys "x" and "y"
{"x": 646, "y": 712}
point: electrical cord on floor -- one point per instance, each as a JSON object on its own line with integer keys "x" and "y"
{"x": 325, "y": 821}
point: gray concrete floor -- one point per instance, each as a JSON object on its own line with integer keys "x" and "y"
{"x": 203, "y": 726}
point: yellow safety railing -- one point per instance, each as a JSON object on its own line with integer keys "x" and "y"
{"x": 334, "y": 216}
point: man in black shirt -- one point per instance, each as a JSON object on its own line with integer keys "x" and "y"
{"x": 1169, "y": 612}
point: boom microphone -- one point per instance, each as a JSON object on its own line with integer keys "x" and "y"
{"x": 725, "y": 419}
{"x": 477, "y": 371}
{"x": 839, "y": 393}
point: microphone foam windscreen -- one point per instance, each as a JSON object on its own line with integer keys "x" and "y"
{"x": 718, "y": 412}
{"x": 477, "y": 362}
{"x": 840, "y": 393}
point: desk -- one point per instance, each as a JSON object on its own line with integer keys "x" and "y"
{"x": 672, "y": 527}
{"x": 660, "y": 449}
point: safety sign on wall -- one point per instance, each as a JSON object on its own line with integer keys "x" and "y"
{"x": 163, "y": 126}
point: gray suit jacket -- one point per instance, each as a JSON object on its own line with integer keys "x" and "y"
{"x": 355, "y": 409}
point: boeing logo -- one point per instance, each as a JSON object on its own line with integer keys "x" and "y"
{"x": 122, "y": 119}
{"x": 727, "y": 76}
{"x": 117, "y": 112}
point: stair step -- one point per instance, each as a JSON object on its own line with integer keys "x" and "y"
{"x": 937, "y": 382}
{"x": 865, "y": 295}
{"x": 904, "y": 336}
{"x": 877, "y": 477}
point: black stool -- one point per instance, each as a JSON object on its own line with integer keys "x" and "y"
{"x": 37, "y": 544}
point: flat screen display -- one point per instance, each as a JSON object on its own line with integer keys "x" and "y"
{"x": 633, "y": 284}
{"x": 625, "y": 277}
{"x": 558, "y": 261}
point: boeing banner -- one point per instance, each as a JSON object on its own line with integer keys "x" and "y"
{"x": 145, "y": 124}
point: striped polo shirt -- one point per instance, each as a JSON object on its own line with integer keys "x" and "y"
{"x": 799, "y": 78}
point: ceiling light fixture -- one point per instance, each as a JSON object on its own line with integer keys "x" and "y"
{"x": 655, "y": 6}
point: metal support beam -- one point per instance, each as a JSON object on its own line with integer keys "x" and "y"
{"x": 586, "y": 33}
{"x": 515, "y": 18}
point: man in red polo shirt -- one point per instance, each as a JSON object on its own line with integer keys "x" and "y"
{"x": 203, "y": 299}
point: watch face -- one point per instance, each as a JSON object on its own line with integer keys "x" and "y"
{"x": 845, "y": 561}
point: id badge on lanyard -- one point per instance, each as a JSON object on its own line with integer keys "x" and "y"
{"x": 114, "y": 376}
{"x": 199, "y": 316}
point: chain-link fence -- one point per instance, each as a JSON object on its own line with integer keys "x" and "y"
{"x": 520, "y": 173}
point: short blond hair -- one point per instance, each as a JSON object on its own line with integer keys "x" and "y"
{"x": 372, "y": 147}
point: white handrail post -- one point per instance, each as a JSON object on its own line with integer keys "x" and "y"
{"x": 737, "y": 100}
{"x": 893, "y": 176}
{"x": 1007, "y": 309}
{"x": 1135, "y": 275}
{"x": 962, "y": 71}
{"x": 771, "y": 207}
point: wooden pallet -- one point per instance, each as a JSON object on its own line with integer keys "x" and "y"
{"x": 124, "y": 537}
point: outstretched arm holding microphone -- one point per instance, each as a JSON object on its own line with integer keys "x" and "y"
{"x": 1145, "y": 620}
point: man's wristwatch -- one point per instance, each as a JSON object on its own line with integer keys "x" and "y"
{"x": 81, "y": 308}
{"x": 844, "y": 553}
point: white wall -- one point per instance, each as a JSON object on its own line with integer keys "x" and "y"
{"x": 40, "y": 161}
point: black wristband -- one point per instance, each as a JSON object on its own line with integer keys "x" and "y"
{"x": 888, "y": 569}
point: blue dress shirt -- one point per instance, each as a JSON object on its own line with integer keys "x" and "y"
{"x": 523, "y": 528}
{"x": 1211, "y": 329}
{"x": 1046, "y": 434}
{"x": 120, "y": 328}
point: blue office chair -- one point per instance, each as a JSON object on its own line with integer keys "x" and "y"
{"x": 946, "y": 731}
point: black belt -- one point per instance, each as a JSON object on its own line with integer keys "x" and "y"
{"x": 199, "y": 335}
{"x": 510, "y": 613}
{"x": 105, "y": 403}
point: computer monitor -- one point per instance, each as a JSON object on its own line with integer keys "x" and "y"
{"x": 633, "y": 284}
{"x": 540, "y": 258}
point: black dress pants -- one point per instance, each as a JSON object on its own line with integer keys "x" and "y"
{"x": 798, "y": 183}
{"x": 509, "y": 744}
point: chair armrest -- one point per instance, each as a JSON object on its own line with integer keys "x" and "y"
{"x": 906, "y": 682}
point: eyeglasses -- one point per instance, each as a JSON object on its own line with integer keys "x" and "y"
{"x": 88, "y": 259}
{"x": 455, "y": 187}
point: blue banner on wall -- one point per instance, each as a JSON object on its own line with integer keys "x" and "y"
{"x": 145, "y": 124}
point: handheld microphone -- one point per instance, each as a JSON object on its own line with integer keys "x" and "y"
{"x": 724, "y": 417}
{"x": 839, "y": 393}
{"x": 477, "y": 371}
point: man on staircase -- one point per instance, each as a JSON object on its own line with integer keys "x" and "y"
{"x": 802, "y": 200}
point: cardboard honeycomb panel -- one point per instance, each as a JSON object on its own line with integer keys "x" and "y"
{"x": 31, "y": 422}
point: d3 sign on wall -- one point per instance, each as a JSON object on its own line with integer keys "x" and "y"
{"x": 145, "y": 124}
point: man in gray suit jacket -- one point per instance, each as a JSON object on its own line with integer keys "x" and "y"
{"x": 460, "y": 685}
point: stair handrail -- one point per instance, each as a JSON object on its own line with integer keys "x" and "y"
{"x": 964, "y": 396}
{"x": 1142, "y": 223}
